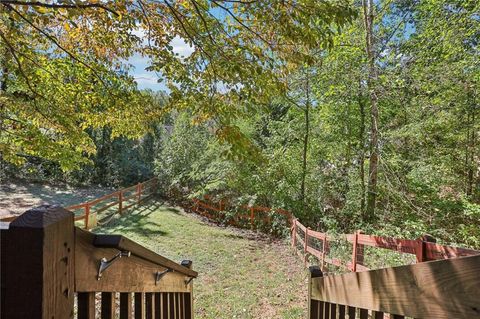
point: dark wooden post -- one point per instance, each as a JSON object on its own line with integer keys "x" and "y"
{"x": 37, "y": 277}
{"x": 420, "y": 249}
{"x": 314, "y": 305}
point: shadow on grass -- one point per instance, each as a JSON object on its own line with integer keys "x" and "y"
{"x": 136, "y": 221}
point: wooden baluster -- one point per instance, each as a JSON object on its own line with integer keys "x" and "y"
{"x": 86, "y": 305}
{"x": 125, "y": 305}
{"x": 351, "y": 312}
{"x": 363, "y": 314}
{"x": 139, "y": 305}
{"x": 108, "y": 305}
{"x": 326, "y": 310}
{"x": 341, "y": 312}
{"x": 149, "y": 306}
{"x": 321, "y": 311}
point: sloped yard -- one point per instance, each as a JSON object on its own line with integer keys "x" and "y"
{"x": 242, "y": 274}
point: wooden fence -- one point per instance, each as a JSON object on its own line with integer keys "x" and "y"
{"x": 423, "y": 249}
{"x": 51, "y": 269}
{"x": 314, "y": 243}
{"x": 252, "y": 216}
{"x": 116, "y": 203}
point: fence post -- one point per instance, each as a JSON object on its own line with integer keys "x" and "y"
{"x": 324, "y": 251}
{"x": 37, "y": 258}
{"x": 421, "y": 247}
{"x": 139, "y": 192}
{"x": 305, "y": 245}
{"x": 354, "y": 252}
{"x": 87, "y": 214}
{"x": 294, "y": 233}
{"x": 313, "y": 309}
{"x": 252, "y": 217}
{"x": 120, "y": 200}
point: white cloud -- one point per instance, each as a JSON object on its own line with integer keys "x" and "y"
{"x": 181, "y": 47}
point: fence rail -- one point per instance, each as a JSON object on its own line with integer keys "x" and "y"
{"x": 122, "y": 199}
{"x": 437, "y": 289}
{"x": 423, "y": 248}
{"x": 302, "y": 237}
{"x": 51, "y": 269}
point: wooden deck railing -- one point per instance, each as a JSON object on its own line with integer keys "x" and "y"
{"x": 51, "y": 269}
{"x": 120, "y": 200}
{"x": 437, "y": 289}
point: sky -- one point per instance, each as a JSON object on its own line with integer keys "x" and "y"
{"x": 149, "y": 80}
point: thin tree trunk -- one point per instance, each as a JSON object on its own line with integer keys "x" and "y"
{"x": 305, "y": 142}
{"x": 471, "y": 149}
{"x": 361, "y": 138}
{"x": 372, "y": 81}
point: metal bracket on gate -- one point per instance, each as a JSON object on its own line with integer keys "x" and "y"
{"x": 188, "y": 281}
{"x": 160, "y": 274}
{"x": 104, "y": 263}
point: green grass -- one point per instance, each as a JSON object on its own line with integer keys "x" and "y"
{"x": 242, "y": 274}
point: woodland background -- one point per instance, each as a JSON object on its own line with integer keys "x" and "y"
{"x": 373, "y": 126}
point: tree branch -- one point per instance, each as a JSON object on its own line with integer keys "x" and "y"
{"x": 59, "y": 6}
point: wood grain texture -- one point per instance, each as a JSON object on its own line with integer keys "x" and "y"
{"x": 127, "y": 274}
{"x": 37, "y": 265}
{"x": 437, "y": 289}
{"x": 122, "y": 243}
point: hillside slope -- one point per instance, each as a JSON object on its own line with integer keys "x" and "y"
{"x": 242, "y": 274}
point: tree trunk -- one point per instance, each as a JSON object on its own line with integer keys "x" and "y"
{"x": 305, "y": 141}
{"x": 371, "y": 83}
{"x": 361, "y": 137}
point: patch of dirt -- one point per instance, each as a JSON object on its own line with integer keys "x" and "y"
{"x": 17, "y": 197}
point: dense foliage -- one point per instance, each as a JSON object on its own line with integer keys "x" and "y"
{"x": 351, "y": 114}
{"x": 427, "y": 86}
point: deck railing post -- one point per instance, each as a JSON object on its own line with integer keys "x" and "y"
{"x": 37, "y": 256}
{"x": 313, "y": 305}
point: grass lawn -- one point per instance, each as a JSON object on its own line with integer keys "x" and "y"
{"x": 242, "y": 274}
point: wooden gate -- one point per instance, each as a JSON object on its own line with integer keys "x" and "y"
{"x": 51, "y": 269}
